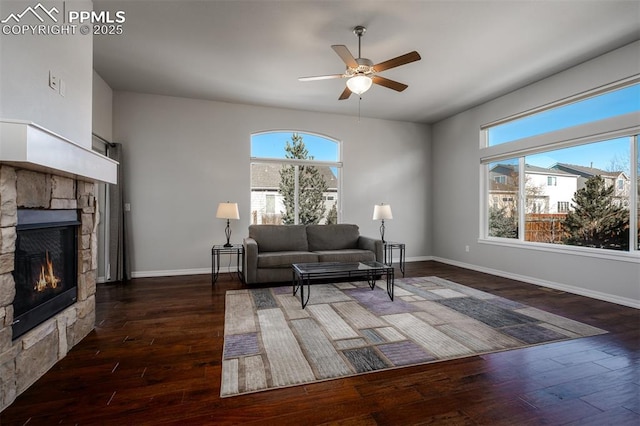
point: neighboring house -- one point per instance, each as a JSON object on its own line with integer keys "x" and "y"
{"x": 267, "y": 203}
{"x": 548, "y": 191}
{"x": 503, "y": 188}
{"x": 618, "y": 179}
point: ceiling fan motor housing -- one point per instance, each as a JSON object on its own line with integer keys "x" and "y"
{"x": 365, "y": 66}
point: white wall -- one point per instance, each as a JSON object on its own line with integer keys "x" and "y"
{"x": 102, "y": 119}
{"x": 102, "y": 125}
{"x": 456, "y": 202}
{"x": 24, "y": 76}
{"x": 184, "y": 156}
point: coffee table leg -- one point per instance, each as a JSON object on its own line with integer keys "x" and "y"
{"x": 295, "y": 282}
{"x": 390, "y": 283}
{"x": 298, "y": 282}
{"x": 302, "y": 299}
{"x": 371, "y": 280}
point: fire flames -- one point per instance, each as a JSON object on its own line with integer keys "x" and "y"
{"x": 47, "y": 278}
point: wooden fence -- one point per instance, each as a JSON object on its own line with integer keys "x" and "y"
{"x": 545, "y": 228}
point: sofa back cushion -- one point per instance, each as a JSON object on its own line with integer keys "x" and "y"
{"x": 279, "y": 237}
{"x": 332, "y": 237}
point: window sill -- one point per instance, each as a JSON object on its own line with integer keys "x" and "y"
{"x": 620, "y": 256}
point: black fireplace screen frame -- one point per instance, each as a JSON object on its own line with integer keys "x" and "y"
{"x": 66, "y": 223}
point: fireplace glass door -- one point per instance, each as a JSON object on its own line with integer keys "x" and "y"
{"x": 45, "y": 271}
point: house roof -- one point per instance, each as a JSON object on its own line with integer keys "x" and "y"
{"x": 546, "y": 171}
{"x": 267, "y": 176}
{"x": 585, "y": 171}
{"x": 511, "y": 168}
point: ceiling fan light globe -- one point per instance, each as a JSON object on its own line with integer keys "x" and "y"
{"x": 359, "y": 84}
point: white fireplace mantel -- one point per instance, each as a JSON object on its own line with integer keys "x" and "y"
{"x": 29, "y": 146}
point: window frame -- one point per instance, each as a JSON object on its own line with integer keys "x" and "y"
{"x": 625, "y": 125}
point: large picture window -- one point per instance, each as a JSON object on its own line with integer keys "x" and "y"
{"x": 567, "y": 180}
{"x": 295, "y": 178}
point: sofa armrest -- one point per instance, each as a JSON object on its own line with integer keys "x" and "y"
{"x": 250, "y": 266}
{"x": 367, "y": 243}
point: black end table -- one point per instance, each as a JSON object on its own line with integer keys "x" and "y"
{"x": 388, "y": 248}
{"x": 217, "y": 250}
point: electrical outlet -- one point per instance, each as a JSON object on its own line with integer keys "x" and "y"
{"x": 54, "y": 82}
{"x": 466, "y": 248}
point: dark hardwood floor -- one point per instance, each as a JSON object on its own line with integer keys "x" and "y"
{"x": 155, "y": 358}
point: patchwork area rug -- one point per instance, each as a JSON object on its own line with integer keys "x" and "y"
{"x": 347, "y": 329}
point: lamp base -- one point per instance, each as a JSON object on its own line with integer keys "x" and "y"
{"x": 227, "y": 233}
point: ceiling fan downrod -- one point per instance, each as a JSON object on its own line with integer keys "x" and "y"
{"x": 359, "y": 31}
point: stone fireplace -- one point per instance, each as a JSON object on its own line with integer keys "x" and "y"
{"x": 26, "y": 357}
{"x": 48, "y": 249}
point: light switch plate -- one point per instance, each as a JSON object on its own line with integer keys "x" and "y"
{"x": 53, "y": 81}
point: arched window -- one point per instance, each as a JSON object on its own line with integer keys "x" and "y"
{"x": 295, "y": 178}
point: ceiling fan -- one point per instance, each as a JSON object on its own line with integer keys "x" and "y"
{"x": 361, "y": 72}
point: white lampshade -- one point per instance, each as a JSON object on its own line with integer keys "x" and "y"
{"x": 228, "y": 211}
{"x": 382, "y": 211}
{"x": 359, "y": 84}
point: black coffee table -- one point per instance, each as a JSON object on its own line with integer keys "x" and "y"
{"x": 306, "y": 273}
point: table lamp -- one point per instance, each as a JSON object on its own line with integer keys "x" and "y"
{"x": 228, "y": 211}
{"x": 382, "y": 211}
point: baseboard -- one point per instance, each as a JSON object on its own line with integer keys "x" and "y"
{"x": 632, "y": 303}
{"x": 176, "y": 272}
{"x": 418, "y": 259}
{"x": 531, "y": 280}
{"x": 224, "y": 269}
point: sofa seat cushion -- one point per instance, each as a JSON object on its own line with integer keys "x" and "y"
{"x": 279, "y": 237}
{"x": 332, "y": 237}
{"x": 284, "y": 259}
{"x": 347, "y": 255}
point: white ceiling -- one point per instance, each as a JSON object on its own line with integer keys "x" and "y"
{"x": 253, "y": 52}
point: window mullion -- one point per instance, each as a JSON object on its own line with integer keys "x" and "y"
{"x": 522, "y": 200}
{"x": 634, "y": 201}
{"x": 296, "y": 188}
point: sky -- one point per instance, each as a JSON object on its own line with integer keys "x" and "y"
{"x": 611, "y": 155}
{"x": 603, "y": 155}
{"x": 607, "y": 155}
{"x": 271, "y": 145}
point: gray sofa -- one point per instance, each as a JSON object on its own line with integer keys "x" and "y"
{"x": 270, "y": 250}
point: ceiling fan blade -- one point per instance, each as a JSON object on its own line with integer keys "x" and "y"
{"x": 321, "y": 77}
{"x": 399, "y": 87}
{"x": 345, "y": 55}
{"x": 396, "y": 62}
{"x": 345, "y": 94}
